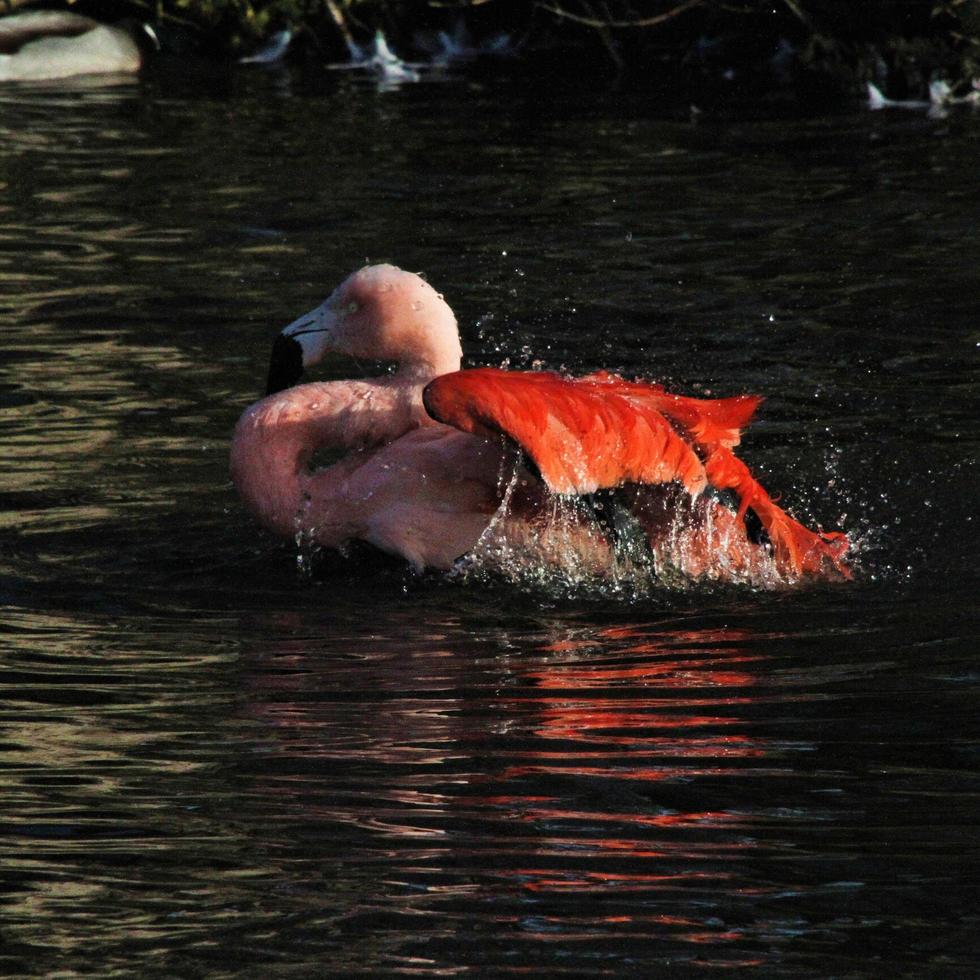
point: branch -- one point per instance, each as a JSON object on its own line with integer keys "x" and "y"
{"x": 338, "y": 18}
{"x": 639, "y": 22}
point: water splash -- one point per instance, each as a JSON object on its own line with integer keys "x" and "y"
{"x": 307, "y": 551}
{"x": 562, "y": 551}
{"x": 598, "y": 546}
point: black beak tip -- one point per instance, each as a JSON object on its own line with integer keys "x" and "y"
{"x": 286, "y": 365}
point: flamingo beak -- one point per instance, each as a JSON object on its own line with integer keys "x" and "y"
{"x": 286, "y": 365}
{"x": 301, "y": 344}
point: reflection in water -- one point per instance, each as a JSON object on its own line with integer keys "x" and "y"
{"x": 585, "y": 778}
{"x": 636, "y": 784}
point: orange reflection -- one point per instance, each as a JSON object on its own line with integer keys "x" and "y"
{"x": 581, "y": 766}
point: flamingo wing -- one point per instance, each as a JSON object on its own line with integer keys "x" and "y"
{"x": 707, "y": 422}
{"x": 797, "y": 548}
{"x": 602, "y": 431}
{"x": 592, "y": 432}
{"x": 581, "y": 435}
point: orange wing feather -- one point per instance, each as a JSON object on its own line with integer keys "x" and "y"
{"x": 710, "y": 422}
{"x": 601, "y": 431}
{"x": 582, "y": 435}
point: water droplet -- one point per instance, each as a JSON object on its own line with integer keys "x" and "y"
{"x": 629, "y": 236}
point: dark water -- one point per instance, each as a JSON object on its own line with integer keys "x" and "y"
{"x": 215, "y": 763}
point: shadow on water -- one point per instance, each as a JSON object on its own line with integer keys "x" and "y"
{"x": 214, "y": 761}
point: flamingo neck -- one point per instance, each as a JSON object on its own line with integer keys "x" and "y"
{"x": 275, "y": 440}
{"x": 423, "y": 366}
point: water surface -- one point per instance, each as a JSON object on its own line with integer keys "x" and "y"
{"x": 217, "y": 762}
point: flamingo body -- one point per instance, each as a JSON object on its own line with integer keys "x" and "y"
{"x": 424, "y": 495}
{"x": 433, "y": 451}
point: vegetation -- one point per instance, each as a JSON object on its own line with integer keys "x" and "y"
{"x": 831, "y": 45}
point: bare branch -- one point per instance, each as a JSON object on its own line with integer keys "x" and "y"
{"x": 638, "y": 22}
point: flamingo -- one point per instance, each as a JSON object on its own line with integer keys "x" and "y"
{"x": 432, "y": 452}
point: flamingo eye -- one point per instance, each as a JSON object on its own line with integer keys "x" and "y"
{"x": 351, "y": 307}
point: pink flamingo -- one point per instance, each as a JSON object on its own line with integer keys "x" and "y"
{"x": 426, "y": 468}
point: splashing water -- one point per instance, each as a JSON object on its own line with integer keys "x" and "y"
{"x": 307, "y": 550}
{"x": 564, "y": 551}
{"x": 623, "y": 544}
{"x": 598, "y": 546}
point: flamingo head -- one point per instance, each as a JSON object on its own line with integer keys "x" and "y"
{"x": 379, "y": 313}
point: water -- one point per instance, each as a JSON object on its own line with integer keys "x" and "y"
{"x": 217, "y": 763}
